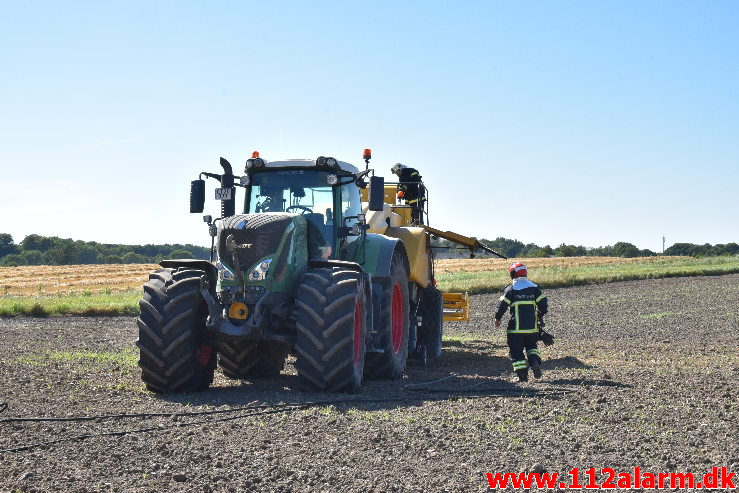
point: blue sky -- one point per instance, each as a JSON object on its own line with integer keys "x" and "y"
{"x": 578, "y": 122}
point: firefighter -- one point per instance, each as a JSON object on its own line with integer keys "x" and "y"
{"x": 411, "y": 189}
{"x": 527, "y": 305}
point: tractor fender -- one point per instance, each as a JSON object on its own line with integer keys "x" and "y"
{"x": 204, "y": 265}
{"x": 379, "y": 254}
{"x": 335, "y": 263}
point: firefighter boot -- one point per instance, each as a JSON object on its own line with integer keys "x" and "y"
{"x": 536, "y": 368}
{"x": 523, "y": 375}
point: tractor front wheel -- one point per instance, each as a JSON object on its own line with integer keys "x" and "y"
{"x": 175, "y": 355}
{"x": 331, "y": 321}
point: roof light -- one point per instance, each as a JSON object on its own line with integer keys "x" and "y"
{"x": 367, "y": 154}
{"x": 254, "y": 163}
{"x": 255, "y": 154}
{"x": 332, "y": 179}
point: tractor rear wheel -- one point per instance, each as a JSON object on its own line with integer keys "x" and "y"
{"x": 393, "y": 325}
{"x": 248, "y": 358}
{"x": 175, "y": 355}
{"x": 432, "y": 315}
{"x": 330, "y": 314}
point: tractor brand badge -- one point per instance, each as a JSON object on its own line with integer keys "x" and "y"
{"x": 241, "y": 224}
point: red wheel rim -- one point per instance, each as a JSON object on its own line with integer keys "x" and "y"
{"x": 357, "y": 334}
{"x": 397, "y": 318}
{"x": 205, "y": 353}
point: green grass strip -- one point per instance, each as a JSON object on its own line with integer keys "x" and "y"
{"x": 559, "y": 276}
{"x": 126, "y": 358}
{"x": 104, "y": 304}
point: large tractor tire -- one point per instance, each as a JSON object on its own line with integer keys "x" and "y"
{"x": 175, "y": 355}
{"x": 432, "y": 315}
{"x": 248, "y": 358}
{"x": 330, "y": 314}
{"x": 393, "y": 325}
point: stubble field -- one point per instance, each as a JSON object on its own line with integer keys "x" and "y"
{"x": 63, "y": 280}
{"x": 644, "y": 373}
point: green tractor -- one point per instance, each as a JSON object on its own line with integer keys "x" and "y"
{"x": 308, "y": 268}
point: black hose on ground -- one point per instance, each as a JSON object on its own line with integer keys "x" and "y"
{"x": 470, "y": 392}
{"x": 450, "y": 393}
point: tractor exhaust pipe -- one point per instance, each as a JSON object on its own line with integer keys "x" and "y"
{"x": 228, "y": 206}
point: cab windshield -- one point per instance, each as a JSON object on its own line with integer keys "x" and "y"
{"x": 301, "y": 191}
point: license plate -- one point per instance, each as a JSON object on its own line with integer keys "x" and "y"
{"x": 223, "y": 194}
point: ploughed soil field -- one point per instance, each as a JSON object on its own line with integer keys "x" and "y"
{"x": 643, "y": 373}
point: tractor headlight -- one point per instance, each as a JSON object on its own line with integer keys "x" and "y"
{"x": 224, "y": 274}
{"x": 259, "y": 272}
{"x": 244, "y": 180}
{"x": 332, "y": 179}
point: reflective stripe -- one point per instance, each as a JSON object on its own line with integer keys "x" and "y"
{"x": 524, "y": 303}
{"x": 411, "y": 201}
{"x": 520, "y": 365}
{"x": 503, "y": 298}
{"x": 532, "y": 331}
{"x": 540, "y": 298}
{"x": 532, "y": 351}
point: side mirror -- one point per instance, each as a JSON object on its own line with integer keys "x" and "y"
{"x": 197, "y": 196}
{"x": 208, "y": 219}
{"x": 377, "y": 193}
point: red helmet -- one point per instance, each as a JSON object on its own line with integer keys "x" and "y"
{"x": 518, "y": 270}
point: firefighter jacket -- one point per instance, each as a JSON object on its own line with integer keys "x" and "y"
{"x": 411, "y": 185}
{"x": 526, "y": 303}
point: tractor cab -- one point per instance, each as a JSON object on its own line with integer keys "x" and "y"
{"x": 326, "y": 195}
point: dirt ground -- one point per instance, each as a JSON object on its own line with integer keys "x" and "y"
{"x": 643, "y": 374}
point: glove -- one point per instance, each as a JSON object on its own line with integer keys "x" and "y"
{"x": 546, "y": 337}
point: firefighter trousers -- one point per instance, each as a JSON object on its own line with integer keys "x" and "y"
{"x": 520, "y": 343}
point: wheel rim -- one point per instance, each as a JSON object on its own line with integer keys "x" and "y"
{"x": 206, "y": 352}
{"x": 357, "y": 334}
{"x": 397, "y": 318}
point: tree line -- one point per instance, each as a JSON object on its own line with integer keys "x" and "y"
{"x": 51, "y": 250}
{"x": 515, "y": 248}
